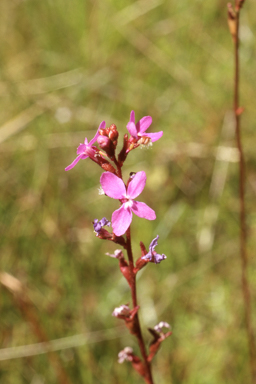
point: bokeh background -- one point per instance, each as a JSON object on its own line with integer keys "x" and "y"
{"x": 65, "y": 67}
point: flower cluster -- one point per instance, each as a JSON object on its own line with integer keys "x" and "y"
{"x": 102, "y": 150}
{"x": 111, "y": 181}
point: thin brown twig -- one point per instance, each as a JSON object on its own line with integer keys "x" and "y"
{"x": 234, "y": 20}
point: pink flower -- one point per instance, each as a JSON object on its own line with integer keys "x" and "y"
{"x": 114, "y": 187}
{"x": 138, "y": 130}
{"x": 86, "y": 150}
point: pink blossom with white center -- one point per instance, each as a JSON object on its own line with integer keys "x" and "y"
{"x": 85, "y": 150}
{"x": 139, "y": 130}
{"x": 114, "y": 187}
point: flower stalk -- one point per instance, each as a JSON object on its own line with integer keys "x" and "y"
{"x": 113, "y": 186}
{"x": 233, "y": 21}
{"x": 148, "y": 377}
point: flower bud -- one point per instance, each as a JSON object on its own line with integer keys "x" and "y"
{"x": 102, "y": 132}
{"x": 107, "y": 145}
{"x": 103, "y": 141}
{"x": 122, "y": 311}
{"x": 113, "y": 133}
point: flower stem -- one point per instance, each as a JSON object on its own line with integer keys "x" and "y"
{"x": 148, "y": 378}
{"x": 119, "y": 168}
{"x": 243, "y": 228}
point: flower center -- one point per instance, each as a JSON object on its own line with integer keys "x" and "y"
{"x": 127, "y": 202}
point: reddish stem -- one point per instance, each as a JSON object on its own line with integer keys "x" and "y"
{"x": 119, "y": 168}
{"x": 149, "y": 378}
{"x": 243, "y": 228}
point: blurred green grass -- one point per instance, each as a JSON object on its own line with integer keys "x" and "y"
{"x": 65, "y": 67}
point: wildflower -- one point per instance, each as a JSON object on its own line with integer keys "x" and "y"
{"x": 152, "y": 256}
{"x": 86, "y": 150}
{"x": 114, "y": 187}
{"x": 138, "y": 130}
{"x": 98, "y": 224}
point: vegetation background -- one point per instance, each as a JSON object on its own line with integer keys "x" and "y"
{"x": 65, "y": 67}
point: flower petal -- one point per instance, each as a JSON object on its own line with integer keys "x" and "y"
{"x": 136, "y": 185}
{"x": 132, "y": 129}
{"x": 79, "y": 157}
{"x": 86, "y": 150}
{"x": 112, "y": 185}
{"x": 143, "y": 124}
{"x": 143, "y": 210}
{"x": 132, "y": 117}
{"x": 81, "y": 148}
{"x": 121, "y": 220}
{"x": 153, "y": 244}
{"x": 154, "y": 257}
{"x": 131, "y": 125}
{"x": 158, "y": 258}
{"x": 101, "y": 126}
{"x": 154, "y": 136}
